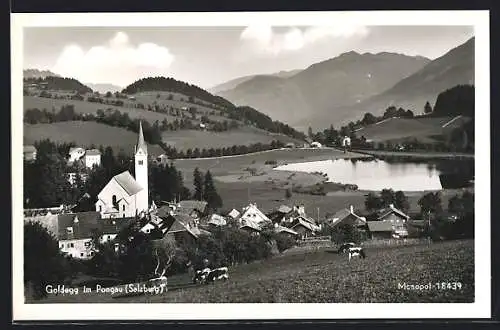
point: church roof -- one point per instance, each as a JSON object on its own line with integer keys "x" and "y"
{"x": 128, "y": 183}
{"x": 141, "y": 144}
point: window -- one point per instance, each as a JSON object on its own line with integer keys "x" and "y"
{"x": 114, "y": 199}
{"x": 61, "y": 245}
{"x": 81, "y": 254}
{"x": 123, "y": 208}
{"x": 100, "y": 208}
{"x": 71, "y": 245}
{"x": 140, "y": 162}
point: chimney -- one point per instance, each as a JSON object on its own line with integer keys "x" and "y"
{"x": 351, "y": 208}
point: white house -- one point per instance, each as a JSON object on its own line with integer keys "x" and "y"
{"x": 75, "y": 154}
{"x": 253, "y": 217}
{"x": 125, "y": 196}
{"x": 29, "y": 153}
{"x": 92, "y": 157}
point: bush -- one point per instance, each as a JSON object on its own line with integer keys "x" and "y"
{"x": 284, "y": 242}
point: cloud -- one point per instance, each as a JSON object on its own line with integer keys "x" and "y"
{"x": 263, "y": 40}
{"x": 117, "y": 62}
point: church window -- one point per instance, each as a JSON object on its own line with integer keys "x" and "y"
{"x": 123, "y": 207}
{"x": 114, "y": 200}
{"x": 140, "y": 162}
{"x": 100, "y": 208}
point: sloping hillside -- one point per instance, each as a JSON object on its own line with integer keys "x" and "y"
{"x": 228, "y": 85}
{"x": 86, "y": 134}
{"x": 54, "y": 83}
{"x": 456, "y": 67}
{"x": 343, "y": 80}
{"x": 35, "y": 73}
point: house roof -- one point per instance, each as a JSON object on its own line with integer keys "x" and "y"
{"x": 92, "y": 152}
{"x": 341, "y": 215}
{"x": 188, "y": 206}
{"x": 128, "y": 183}
{"x": 391, "y": 209}
{"x": 74, "y": 149}
{"x": 285, "y": 209}
{"x": 141, "y": 144}
{"x": 282, "y": 229}
{"x": 29, "y": 148}
{"x": 248, "y": 223}
{"x": 82, "y": 224}
{"x": 234, "y": 213}
{"x": 114, "y": 226}
{"x": 379, "y": 226}
{"x": 217, "y": 220}
{"x": 305, "y": 224}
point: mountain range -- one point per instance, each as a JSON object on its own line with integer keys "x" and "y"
{"x": 343, "y": 88}
{"x": 35, "y": 73}
{"x": 104, "y": 88}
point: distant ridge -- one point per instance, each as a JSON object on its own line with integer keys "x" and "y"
{"x": 35, "y": 73}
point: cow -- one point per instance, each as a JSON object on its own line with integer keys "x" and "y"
{"x": 217, "y": 274}
{"x": 345, "y": 247}
{"x": 356, "y": 252}
{"x": 201, "y": 276}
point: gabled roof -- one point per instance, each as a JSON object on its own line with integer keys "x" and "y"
{"x": 188, "y": 206}
{"x": 248, "y": 223}
{"x": 379, "y": 226}
{"x": 285, "y": 209}
{"x": 234, "y": 213}
{"x": 391, "y": 209}
{"x": 282, "y": 229}
{"x": 75, "y": 149}
{"x": 92, "y": 152}
{"x": 141, "y": 144}
{"x": 29, "y": 148}
{"x": 128, "y": 183}
{"x": 306, "y": 224}
{"x": 82, "y": 224}
{"x": 341, "y": 215}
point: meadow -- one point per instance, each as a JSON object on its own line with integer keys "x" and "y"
{"x": 86, "y": 133}
{"x": 323, "y": 276}
{"x": 400, "y": 128}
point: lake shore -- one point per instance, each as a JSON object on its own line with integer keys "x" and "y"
{"x": 454, "y": 155}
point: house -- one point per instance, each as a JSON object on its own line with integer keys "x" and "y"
{"x": 75, "y": 153}
{"x": 396, "y": 218}
{"x": 193, "y": 208}
{"x": 29, "y": 153}
{"x": 234, "y": 214}
{"x": 72, "y": 177}
{"x": 92, "y": 158}
{"x": 304, "y": 227}
{"x": 285, "y": 231}
{"x": 315, "y": 145}
{"x": 347, "y": 216}
{"x": 281, "y": 215}
{"x": 253, "y": 216}
{"x": 217, "y": 220}
{"x": 380, "y": 229}
{"x": 75, "y": 232}
{"x": 125, "y": 196}
{"x": 162, "y": 159}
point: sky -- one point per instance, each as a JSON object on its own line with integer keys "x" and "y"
{"x": 207, "y": 56}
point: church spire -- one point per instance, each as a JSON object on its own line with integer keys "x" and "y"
{"x": 141, "y": 144}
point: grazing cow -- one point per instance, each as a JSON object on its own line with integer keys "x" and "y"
{"x": 217, "y": 274}
{"x": 356, "y": 252}
{"x": 201, "y": 276}
{"x": 345, "y": 247}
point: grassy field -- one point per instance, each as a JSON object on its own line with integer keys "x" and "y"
{"x": 86, "y": 133}
{"x": 401, "y": 128}
{"x": 323, "y": 276}
{"x": 185, "y": 139}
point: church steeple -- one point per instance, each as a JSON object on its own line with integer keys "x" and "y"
{"x": 141, "y": 144}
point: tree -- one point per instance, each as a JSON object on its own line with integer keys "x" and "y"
{"x": 310, "y": 132}
{"x": 288, "y": 193}
{"x": 401, "y": 201}
{"x": 387, "y": 196}
{"x": 427, "y": 108}
{"x": 430, "y": 203}
{"x": 368, "y": 119}
{"x": 43, "y": 262}
{"x": 210, "y": 193}
{"x": 372, "y": 202}
{"x": 345, "y": 233}
{"x": 198, "y": 184}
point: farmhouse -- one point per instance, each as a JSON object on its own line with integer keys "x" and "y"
{"x": 125, "y": 196}
{"x": 253, "y": 218}
{"x": 75, "y": 153}
{"x": 92, "y": 158}
{"x": 347, "y": 216}
{"x": 193, "y": 208}
{"x": 304, "y": 228}
{"x": 234, "y": 214}
{"x": 76, "y": 230}
{"x": 380, "y": 229}
{"x": 396, "y": 218}
{"x": 29, "y": 153}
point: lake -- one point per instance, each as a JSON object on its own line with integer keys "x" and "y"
{"x": 376, "y": 174}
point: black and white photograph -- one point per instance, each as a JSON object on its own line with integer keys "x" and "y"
{"x": 304, "y": 162}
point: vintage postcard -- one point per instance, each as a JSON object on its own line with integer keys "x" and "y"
{"x": 209, "y": 166}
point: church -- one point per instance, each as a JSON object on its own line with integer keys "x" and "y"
{"x": 125, "y": 196}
